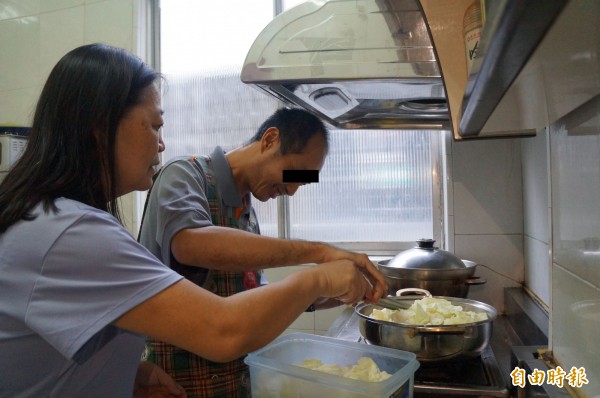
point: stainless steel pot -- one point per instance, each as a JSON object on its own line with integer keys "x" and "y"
{"x": 427, "y": 267}
{"x": 430, "y": 343}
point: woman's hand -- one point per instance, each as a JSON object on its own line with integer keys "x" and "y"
{"x": 342, "y": 280}
{"x": 152, "y": 382}
{"x": 366, "y": 266}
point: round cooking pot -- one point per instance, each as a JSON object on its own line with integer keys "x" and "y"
{"x": 430, "y": 268}
{"x": 431, "y": 344}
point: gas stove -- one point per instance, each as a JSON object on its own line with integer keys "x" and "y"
{"x": 475, "y": 377}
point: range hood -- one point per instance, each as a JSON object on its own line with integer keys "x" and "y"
{"x": 357, "y": 64}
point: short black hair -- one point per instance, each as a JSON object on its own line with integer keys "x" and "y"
{"x": 296, "y": 127}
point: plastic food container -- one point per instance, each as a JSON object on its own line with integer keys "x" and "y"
{"x": 275, "y": 370}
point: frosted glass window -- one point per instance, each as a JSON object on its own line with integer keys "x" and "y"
{"x": 375, "y": 186}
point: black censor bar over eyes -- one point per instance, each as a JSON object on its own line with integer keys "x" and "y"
{"x": 300, "y": 176}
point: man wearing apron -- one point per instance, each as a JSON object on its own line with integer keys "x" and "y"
{"x": 199, "y": 221}
{"x": 201, "y": 377}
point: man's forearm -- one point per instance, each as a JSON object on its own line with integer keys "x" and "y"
{"x": 236, "y": 250}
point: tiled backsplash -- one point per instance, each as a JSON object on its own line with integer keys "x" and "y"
{"x": 575, "y": 169}
{"x": 487, "y": 213}
{"x": 35, "y": 34}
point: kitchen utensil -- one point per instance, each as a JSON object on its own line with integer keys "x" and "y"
{"x": 430, "y": 343}
{"x": 390, "y": 303}
{"x": 427, "y": 267}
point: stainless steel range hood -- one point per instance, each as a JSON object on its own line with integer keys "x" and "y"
{"x": 357, "y": 64}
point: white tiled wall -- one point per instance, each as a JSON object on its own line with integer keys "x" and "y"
{"x": 487, "y": 187}
{"x": 575, "y": 170}
{"x": 35, "y": 34}
{"x": 561, "y": 174}
{"x": 536, "y": 192}
{"x": 556, "y": 251}
{"x": 575, "y": 326}
{"x": 487, "y": 213}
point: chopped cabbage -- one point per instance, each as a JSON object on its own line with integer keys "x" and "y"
{"x": 365, "y": 369}
{"x": 430, "y": 311}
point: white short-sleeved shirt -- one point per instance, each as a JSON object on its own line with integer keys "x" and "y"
{"x": 64, "y": 277}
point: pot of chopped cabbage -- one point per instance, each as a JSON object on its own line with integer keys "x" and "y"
{"x": 434, "y": 328}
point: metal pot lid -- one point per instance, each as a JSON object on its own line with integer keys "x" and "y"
{"x": 426, "y": 256}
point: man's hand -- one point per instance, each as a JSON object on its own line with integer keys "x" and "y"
{"x": 152, "y": 382}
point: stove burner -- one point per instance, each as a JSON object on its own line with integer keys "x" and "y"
{"x": 476, "y": 377}
{"x": 452, "y": 373}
